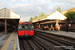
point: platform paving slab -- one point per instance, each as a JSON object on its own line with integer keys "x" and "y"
{"x": 2, "y": 36}
{"x": 6, "y": 37}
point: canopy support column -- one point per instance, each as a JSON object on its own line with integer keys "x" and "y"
{"x": 5, "y": 26}
{"x": 39, "y": 25}
{"x": 57, "y": 25}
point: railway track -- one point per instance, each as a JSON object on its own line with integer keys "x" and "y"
{"x": 22, "y": 46}
{"x": 25, "y": 45}
{"x": 55, "y": 40}
{"x": 59, "y": 36}
{"x": 44, "y": 41}
{"x": 31, "y": 44}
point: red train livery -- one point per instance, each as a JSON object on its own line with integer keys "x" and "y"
{"x": 25, "y": 29}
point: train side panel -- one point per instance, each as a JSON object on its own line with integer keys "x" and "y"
{"x": 21, "y": 33}
{"x": 31, "y": 32}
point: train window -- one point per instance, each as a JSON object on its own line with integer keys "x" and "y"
{"x": 31, "y": 26}
{"x": 21, "y": 27}
{"x": 26, "y": 26}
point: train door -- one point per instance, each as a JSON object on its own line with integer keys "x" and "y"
{"x": 31, "y": 29}
{"x": 26, "y": 30}
{"x": 21, "y": 30}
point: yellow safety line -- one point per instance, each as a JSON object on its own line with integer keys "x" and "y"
{"x": 15, "y": 41}
{"x": 5, "y": 47}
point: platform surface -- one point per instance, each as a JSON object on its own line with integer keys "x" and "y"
{"x": 9, "y": 41}
{"x": 63, "y": 33}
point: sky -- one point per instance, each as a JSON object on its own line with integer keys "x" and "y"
{"x": 31, "y": 8}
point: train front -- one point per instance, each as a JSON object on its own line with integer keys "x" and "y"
{"x": 26, "y": 30}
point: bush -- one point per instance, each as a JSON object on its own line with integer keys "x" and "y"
{"x": 70, "y": 15}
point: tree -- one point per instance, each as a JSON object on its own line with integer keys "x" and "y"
{"x": 35, "y": 17}
{"x": 31, "y": 19}
{"x": 41, "y": 15}
{"x": 70, "y": 15}
{"x": 58, "y": 8}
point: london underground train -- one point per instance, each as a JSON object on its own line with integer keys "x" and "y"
{"x": 25, "y": 29}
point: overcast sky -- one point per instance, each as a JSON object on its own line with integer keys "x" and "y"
{"x": 30, "y": 8}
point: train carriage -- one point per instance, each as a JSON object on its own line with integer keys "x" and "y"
{"x": 26, "y": 29}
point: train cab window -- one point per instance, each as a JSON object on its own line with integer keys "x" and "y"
{"x": 31, "y": 26}
{"x": 21, "y": 27}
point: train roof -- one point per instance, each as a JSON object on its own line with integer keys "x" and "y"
{"x": 26, "y": 23}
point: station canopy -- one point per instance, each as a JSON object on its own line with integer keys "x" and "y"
{"x": 10, "y": 16}
{"x": 53, "y": 16}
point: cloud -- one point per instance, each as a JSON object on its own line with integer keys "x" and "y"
{"x": 67, "y": 1}
{"x": 19, "y": 1}
{"x": 30, "y": 8}
{"x": 2, "y": 0}
{"x": 24, "y": 19}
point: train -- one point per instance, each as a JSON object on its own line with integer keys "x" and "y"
{"x": 25, "y": 29}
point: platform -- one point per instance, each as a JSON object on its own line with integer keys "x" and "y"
{"x": 9, "y": 41}
{"x": 63, "y": 33}
{"x": 2, "y": 32}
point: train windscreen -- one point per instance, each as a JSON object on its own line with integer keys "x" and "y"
{"x": 26, "y": 27}
{"x": 31, "y": 26}
{"x": 21, "y": 27}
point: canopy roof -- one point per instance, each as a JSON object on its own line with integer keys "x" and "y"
{"x": 8, "y": 14}
{"x": 53, "y": 16}
{"x": 11, "y": 17}
{"x": 57, "y": 15}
